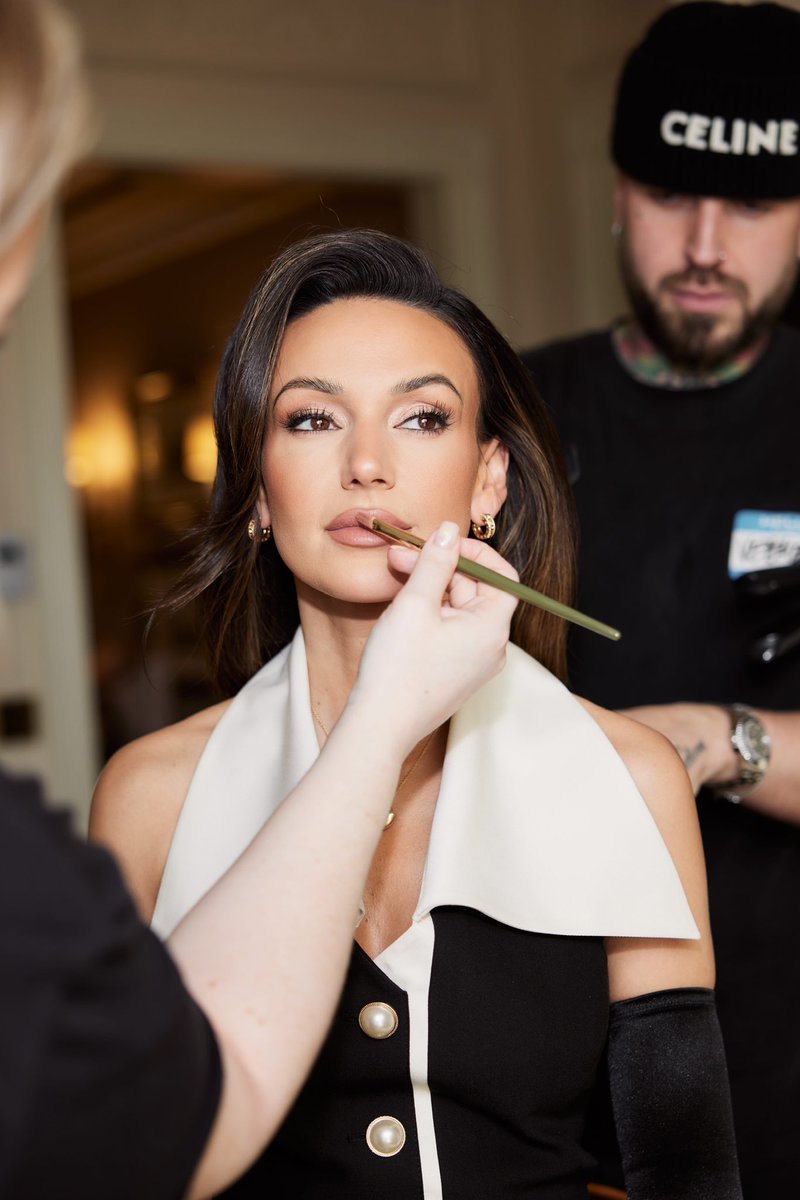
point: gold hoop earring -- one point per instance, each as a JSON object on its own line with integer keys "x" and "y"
{"x": 266, "y": 531}
{"x": 484, "y": 529}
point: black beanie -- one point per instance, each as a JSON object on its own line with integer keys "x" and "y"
{"x": 709, "y": 102}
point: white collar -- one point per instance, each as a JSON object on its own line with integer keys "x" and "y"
{"x": 538, "y": 823}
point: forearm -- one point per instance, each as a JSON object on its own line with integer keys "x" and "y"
{"x": 701, "y": 733}
{"x": 266, "y": 950}
{"x": 778, "y": 794}
{"x": 266, "y": 983}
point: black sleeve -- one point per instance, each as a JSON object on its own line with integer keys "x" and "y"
{"x": 670, "y": 1095}
{"x": 109, "y": 1073}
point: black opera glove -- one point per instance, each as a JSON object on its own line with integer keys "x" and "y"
{"x": 671, "y": 1100}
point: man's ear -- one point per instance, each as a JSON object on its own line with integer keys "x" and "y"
{"x": 491, "y": 484}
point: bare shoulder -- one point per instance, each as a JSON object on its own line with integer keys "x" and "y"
{"x": 639, "y": 965}
{"x": 139, "y": 796}
{"x": 656, "y": 769}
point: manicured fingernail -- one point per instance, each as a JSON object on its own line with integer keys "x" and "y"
{"x": 446, "y": 534}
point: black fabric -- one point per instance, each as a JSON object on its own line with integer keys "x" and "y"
{"x": 109, "y": 1073}
{"x": 658, "y": 476}
{"x": 321, "y": 1151}
{"x": 669, "y": 1089}
{"x": 690, "y": 92}
{"x": 517, "y": 1023}
{"x": 517, "y": 1027}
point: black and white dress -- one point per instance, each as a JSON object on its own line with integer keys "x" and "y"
{"x": 460, "y": 1060}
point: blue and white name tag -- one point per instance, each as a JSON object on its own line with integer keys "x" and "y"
{"x": 763, "y": 540}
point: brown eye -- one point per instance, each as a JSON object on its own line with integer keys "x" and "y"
{"x": 310, "y": 421}
{"x": 428, "y": 420}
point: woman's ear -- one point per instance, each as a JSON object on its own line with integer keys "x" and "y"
{"x": 491, "y": 484}
{"x": 262, "y": 508}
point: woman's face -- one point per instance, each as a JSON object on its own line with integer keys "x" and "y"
{"x": 373, "y": 410}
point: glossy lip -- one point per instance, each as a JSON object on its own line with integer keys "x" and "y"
{"x": 348, "y": 530}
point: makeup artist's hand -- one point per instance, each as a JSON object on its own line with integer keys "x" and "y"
{"x": 440, "y": 639}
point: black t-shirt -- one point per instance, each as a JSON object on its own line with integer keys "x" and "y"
{"x": 109, "y": 1073}
{"x": 659, "y": 477}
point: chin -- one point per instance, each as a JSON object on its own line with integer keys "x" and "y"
{"x": 358, "y": 587}
{"x": 700, "y": 341}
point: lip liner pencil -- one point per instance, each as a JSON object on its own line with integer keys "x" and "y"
{"x": 476, "y": 571}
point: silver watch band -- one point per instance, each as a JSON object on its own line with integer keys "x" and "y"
{"x": 753, "y": 748}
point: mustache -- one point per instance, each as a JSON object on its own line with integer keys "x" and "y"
{"x": 705, "y": 277}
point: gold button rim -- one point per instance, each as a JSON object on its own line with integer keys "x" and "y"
{"x": 378, "y": 1037}
{"x": 398, "y": 1124}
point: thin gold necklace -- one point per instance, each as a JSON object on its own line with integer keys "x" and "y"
{"x": 403, "y": 779}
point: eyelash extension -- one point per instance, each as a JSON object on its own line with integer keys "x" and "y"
{"x": 297, "y": 418}
{"x": 443, "y": 418}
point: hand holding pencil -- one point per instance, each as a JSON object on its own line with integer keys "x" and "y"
{"x": 477, "y": 571}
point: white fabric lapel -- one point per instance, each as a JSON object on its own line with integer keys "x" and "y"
{"x": 538, "y": 823}
{"x": 261, "y": 748}
{"x": 540, "y": 826}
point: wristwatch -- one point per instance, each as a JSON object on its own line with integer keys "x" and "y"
{"x": 753, "y": 747}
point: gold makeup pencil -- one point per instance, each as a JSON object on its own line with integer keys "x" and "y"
{"x": 476, "y": 571}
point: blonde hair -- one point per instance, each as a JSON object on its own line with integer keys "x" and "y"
{"x": 45, "y": 113}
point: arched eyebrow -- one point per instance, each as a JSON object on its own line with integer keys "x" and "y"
{"x": 413, "y": 385}
{"x": 327, "y": 387}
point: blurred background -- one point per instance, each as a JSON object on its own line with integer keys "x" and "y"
{"x": 476, "y": 128}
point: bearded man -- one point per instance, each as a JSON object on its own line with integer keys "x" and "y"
{"x": 681, "y": 427}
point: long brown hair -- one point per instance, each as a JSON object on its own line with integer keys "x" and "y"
{"x": 249, "y": 606}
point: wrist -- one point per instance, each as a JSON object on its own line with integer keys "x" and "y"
{"x": 371, "y": 724}
{"x": 722, "y": 759}
{"x": 751, "y": 750}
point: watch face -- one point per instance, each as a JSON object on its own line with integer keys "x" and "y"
{"x": 753, "y": 741}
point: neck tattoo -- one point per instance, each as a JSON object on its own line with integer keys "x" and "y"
{"x": 403, "y": 778}
{"x": 646, "y": 363}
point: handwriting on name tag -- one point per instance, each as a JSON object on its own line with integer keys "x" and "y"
{"x": 761, "y": 541}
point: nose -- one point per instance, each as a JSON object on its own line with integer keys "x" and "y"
{"x": 705, "y": 234}
{"x": 368, "y": 460}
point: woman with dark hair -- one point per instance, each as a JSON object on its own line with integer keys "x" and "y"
{"x": 541, "y": 858}
{"x": 126, "y": 1071}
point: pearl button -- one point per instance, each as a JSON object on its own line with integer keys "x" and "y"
{"x": 378, "y": 1020}
{"x": 386, "y": 1136}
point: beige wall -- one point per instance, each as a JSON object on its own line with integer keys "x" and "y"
{"x": 44, "y": 644}
{"x": 497, "y": 110}
{"x": 506, "y": 99}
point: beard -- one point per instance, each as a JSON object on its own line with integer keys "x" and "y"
{"x": 691, "y": 340}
